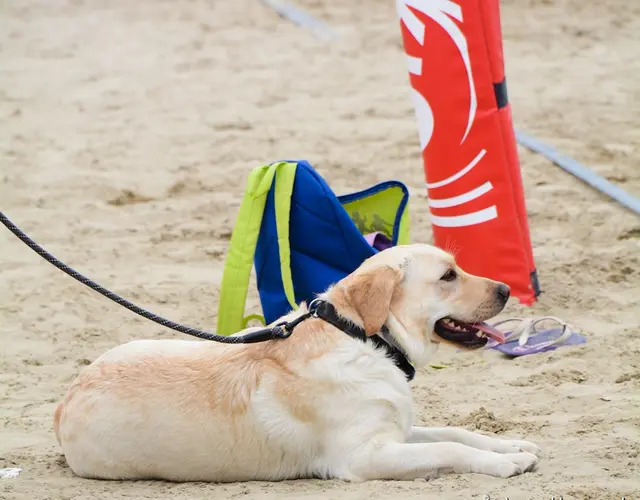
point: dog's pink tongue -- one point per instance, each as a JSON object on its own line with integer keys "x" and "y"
{"x": 491, "y": 332}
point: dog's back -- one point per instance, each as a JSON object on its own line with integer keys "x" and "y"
{"x": 160, "y": 399}
{"x": 230, "y": 412}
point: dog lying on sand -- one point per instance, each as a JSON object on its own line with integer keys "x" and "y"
{"x": 331, "y": 401}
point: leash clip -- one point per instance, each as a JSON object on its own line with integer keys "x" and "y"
{"x": 313, "y": 306}
{"x": 284, "y": 329}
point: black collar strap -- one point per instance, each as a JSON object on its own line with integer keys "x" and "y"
{"x": 327, "y": 312}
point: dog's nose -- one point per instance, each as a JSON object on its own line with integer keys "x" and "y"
{"x": 503, "y": 291}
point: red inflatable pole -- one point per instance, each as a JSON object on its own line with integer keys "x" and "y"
{"x": 476, "y": 198}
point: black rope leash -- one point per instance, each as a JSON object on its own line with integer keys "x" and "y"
{"x": 279, "y": 331}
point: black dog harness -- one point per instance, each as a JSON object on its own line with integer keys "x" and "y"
{"x": 327, "y": 312}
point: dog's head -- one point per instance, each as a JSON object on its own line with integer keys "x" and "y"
{"x": 423, "y": 297}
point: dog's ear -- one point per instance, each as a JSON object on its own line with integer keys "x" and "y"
{"x": 370, "y": 294}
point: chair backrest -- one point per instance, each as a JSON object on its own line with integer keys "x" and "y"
{"x": 302, "y": 238}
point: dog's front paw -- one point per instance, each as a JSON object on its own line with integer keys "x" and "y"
{"x": 511, "y": 464}
{"x": 515, "y": 446}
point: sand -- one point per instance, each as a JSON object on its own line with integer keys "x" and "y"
{"x": 127, "y": 130}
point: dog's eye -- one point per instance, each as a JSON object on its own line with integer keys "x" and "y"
{"x": 450, "y": 275}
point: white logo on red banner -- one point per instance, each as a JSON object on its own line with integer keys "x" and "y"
{"x": 442, "y": 12}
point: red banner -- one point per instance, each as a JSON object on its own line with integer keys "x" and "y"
{"x": 476, "y": 199}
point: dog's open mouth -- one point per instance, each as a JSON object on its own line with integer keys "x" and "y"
{"x": 467, "y": 335}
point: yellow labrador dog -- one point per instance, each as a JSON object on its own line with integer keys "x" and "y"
{"x": 327, "y": 402}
